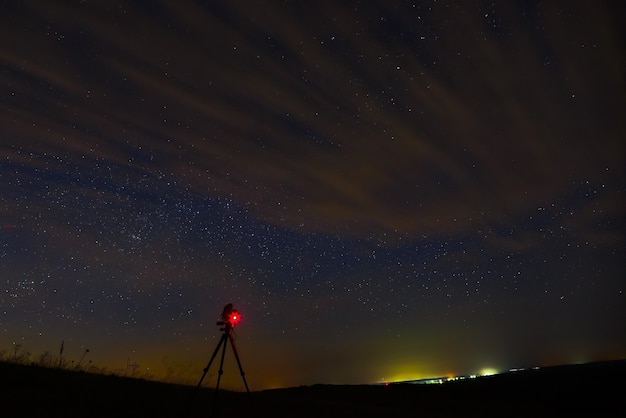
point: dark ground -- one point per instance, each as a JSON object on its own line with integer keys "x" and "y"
{"x": 587, "y": 390}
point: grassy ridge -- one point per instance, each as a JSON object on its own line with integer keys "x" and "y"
{"x": 580, "y": 390}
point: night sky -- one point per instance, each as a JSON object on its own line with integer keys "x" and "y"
{"x": 384, "y": 189}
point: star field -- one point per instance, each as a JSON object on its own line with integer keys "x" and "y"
{"x": 384, "y": 190}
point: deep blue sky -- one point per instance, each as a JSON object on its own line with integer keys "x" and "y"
{"x": 385, "y": 190}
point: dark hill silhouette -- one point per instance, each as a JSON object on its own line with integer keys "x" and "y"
{"x": 575, "y": 391}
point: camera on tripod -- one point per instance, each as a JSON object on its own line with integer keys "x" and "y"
{"x": 230, "y": 316}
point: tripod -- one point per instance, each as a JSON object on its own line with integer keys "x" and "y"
{"x": 226, "y": 336}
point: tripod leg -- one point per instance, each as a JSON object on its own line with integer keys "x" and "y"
{"x": 206, "y": 369}
{"x": 243, "y": 375}
{"x": 219, "y": 376}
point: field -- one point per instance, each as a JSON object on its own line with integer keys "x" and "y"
{"x": 569, "y": 391}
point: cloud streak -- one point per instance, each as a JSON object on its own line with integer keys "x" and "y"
{"x": 353, "y": 132}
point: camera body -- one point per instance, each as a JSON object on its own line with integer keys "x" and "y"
{"x": 230, "y": 316}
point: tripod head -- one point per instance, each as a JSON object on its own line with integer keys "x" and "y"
{"x": 230, "y": 317}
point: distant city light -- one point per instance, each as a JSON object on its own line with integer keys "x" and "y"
{"x": 488, "y": 372}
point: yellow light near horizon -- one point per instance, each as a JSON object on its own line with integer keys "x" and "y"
{"x": 488, "y": 372}
{"x": 409, "y": 370}
{"x": 402, "y": 376}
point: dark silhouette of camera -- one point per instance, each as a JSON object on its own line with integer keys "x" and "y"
{"x": 230, "y": 316}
